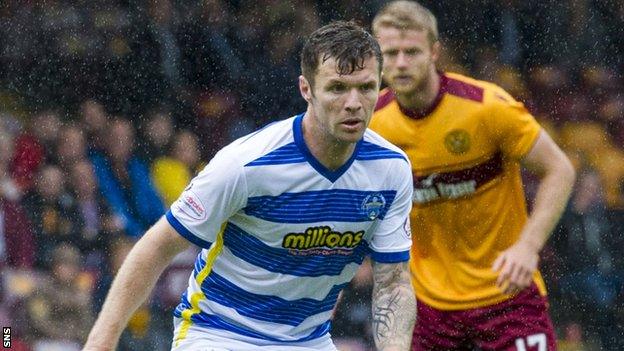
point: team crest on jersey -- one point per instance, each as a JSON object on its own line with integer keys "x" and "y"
{"x": 457, "y": 141}
{"x": 373, "y": 205}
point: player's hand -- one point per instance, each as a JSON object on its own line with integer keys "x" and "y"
{"x": 515, "y": 267}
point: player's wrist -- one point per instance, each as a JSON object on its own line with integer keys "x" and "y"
{"x": 534, "y": 245}
{"x": 97, "y": 341}
{"x": 91, "y": 347}
{"x": 391, "y": 348}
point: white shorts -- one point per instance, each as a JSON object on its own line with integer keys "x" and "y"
{"x": 202, "y": 339}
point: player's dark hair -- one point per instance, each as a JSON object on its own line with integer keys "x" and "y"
{"x": 348, "y": 43}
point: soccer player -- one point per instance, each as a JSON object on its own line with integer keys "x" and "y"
{"x": 475, "y": 253}
{"x": 285, "y": 216}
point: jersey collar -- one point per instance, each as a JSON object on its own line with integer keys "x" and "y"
{"x": 332, "y": 176}
{"x": 420, "y": 114}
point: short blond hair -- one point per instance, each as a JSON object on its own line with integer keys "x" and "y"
{"x": 404, "y": 15}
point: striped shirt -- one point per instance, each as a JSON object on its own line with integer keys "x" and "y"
{"x": 282, "y": 235}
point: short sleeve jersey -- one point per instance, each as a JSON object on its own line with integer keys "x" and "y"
{"x": 282, "y": 235}
{"x": 468, "y": 198}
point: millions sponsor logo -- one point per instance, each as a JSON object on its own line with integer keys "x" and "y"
{"x": 323, "y": 237}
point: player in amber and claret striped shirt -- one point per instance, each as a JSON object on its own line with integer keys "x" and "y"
{"x": 475, "y": 254}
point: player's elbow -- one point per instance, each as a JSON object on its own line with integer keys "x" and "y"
{"x": 566, "y": 172}
{"x": 561, "y": 175}
{"x": 157, "y": 248}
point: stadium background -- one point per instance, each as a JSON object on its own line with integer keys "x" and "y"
{"x": 165, "y": 84}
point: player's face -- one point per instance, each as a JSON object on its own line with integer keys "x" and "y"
{"x": 409, "y": 58}
{"x": 343, "y": 104}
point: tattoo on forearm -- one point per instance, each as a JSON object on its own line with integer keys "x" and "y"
{"x": 385, "y": 316}
{"x": 394, "y": 306}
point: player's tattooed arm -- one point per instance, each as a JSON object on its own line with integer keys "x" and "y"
{"x": 394, "y": 306}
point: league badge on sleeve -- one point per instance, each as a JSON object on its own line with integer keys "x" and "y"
{"x": 191, "y": 205}
{"x": 407, "y": 228}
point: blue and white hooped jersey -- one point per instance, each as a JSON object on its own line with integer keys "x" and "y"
{"x": 282, "y": 235}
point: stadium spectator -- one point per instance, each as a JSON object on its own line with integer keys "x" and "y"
{"x": 93, "y": 215}
{"x": 552, "y": 82}
{"x": 155, "y": 56}
{"x": 71, "y": 146}
{"x": 278, "y": 74}
{"x": 8, "y": 187}
{"x": 212, "y": 56}
{"x": 161, "y": 22}
{"x": 93, "y": 120}
{"x": 17, "y": 247}
{"x": 19, "y": 45}
{"x": 118, "y": 248}
{"x": 146, "y": 329}
{"x": 611, "y": 115}
{"x": 599, "y": 82}
{"x": 592, "y": 278}
{"x": 220, "y": 120}
{"x": 157, "y": 131}
{"x": 173, "y": 173}
{"x": 511, "y": 80}
{"x": 53, "y": 213}
{"x": 60, "y": 307}
{"x": 34, "y": 147}
{"x": 124, "y": 181}
{"x": 475, "y": 254}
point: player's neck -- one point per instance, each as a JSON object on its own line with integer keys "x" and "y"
{"x": 423, "y": 97}
{"x": 331, "y": 153}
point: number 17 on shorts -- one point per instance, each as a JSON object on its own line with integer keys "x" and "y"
{"x": 532, "y": 341}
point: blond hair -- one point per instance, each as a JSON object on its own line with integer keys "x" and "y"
{"x": 404, "y": 15}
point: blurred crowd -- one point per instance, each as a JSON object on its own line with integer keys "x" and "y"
{"x": 108, "y": 108}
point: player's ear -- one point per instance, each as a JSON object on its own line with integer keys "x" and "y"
{"x": 436, "y": 48}
{"x": 305, "y": 88}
